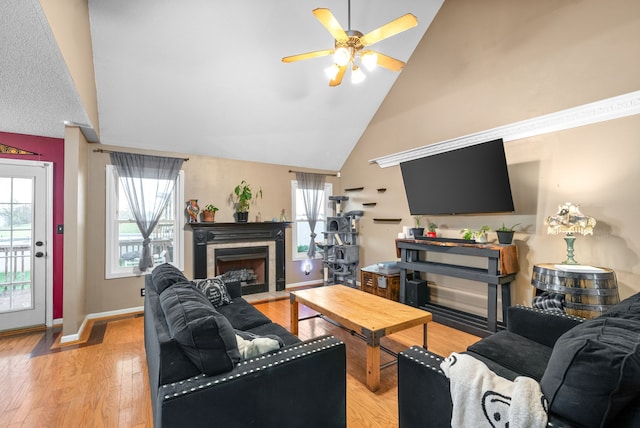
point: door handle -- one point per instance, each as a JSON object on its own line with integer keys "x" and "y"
{"x": 39, "y": 254}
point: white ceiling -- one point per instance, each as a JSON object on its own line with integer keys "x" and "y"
{"x": 205, "y": 76}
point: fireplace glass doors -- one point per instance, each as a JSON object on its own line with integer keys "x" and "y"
{"x": 249, "y": 265}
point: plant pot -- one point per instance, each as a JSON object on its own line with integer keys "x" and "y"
{"x": 431, "y": 234}
{"x": 481, "y": 238}
{"x": 416, "y": 231}
{"x": 505, "y": 236}
{"x": 208, "y": 216}
{"x": 242, "y": 217}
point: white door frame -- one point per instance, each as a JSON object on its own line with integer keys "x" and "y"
{"x": 48, "y": 230}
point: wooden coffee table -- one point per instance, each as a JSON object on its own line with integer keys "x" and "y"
{"x": 371, "y": 316}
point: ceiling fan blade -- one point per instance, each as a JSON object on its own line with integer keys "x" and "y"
{"x": 387, "y": 61}
{"x": 390, "y": 29}
{"x": 330, "y": 22}
{"x": 307, "y": 55}
{"x": 338, "y": 79}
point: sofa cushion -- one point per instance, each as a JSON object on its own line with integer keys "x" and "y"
{"x": 594, "y": 371}
{"x": 206, "y": 337}
{"x": 514, "y": 352}
{"x": 243, "y": 315}
{"x": 214, "y": 289}
{"x": 166, "y": 275}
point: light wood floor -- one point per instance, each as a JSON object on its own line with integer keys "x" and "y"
{"x": 106, "y": 384}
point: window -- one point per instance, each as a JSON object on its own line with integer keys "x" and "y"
{"x": 124, "y": 240}
{"x": 300, "y": 229}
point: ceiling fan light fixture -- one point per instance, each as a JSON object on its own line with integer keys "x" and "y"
{"x": 357, "y": 76}
{"x": 369, "y": 60}
{"x": 332, "y": 71}
{"x": 342, "y": 56}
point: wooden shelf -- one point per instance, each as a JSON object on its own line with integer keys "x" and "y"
{"x": 387, "y": 220}
{"x": 354, "y": 189}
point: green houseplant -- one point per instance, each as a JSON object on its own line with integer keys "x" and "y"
{"x": 243, "y": 196}
{"x": 209, "y": 213}
{"x": 480, "y": 235}
{"x": 505, "y": 234}
{"x": 417, "y": 230}
{"x": 431, "y": 229}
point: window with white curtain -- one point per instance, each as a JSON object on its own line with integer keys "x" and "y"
{"x": 123, "y": 238}
{"x": 300, "y": 227}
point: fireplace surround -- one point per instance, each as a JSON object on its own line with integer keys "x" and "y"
{"x": 233, "y": 239}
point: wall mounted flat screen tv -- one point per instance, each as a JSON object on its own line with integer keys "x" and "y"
{"x": 470, "y": 180}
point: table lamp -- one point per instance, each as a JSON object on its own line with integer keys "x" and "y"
{"x": 570, "y": 220}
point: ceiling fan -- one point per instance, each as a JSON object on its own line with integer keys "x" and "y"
{"x": 350, "y": 46}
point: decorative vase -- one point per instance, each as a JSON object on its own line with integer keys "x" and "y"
{"x": 481, "y": 238}
{"x": 208, "y": 216}
{"x": 505, "y": 236}
{"x": 431, "y": 234}
{"x": 192, "y": 210}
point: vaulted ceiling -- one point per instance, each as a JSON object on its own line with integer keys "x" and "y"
{"x": 205, "y": 77}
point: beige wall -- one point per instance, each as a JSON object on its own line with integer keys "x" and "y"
{"x": 207, "y": 179}
{"x": 480, "y": 65}
{"x": 491, "y": 63}
{"x": 69, "y": 21}
{"x": 75, "y": 232}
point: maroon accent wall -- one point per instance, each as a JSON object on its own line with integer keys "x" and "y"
{"x": 50, "y": 150}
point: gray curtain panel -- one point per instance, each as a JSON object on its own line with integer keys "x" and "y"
{"x": 147, "y": 201}
{"x": 312, "y": 186}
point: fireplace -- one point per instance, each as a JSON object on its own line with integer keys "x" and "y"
{"x": 248, "y": 265}
{"x": 253, "y": 249}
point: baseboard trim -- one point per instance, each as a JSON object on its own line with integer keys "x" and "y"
{"x": 85, "y": 328}
{"x": 304, "y": 284}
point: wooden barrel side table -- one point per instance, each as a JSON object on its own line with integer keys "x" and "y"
{"x": 587, "y": 294}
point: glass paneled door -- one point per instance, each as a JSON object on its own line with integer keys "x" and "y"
{"x": 23, "y": 248}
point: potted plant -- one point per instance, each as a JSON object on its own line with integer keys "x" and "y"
{"x": 505, "y": 234}
{"x": 417, "y": 230}
{"x": 431, "y": 229}
{"x": 479, "y": 235}
{"x": 243, "y": 195}
{"x": 209, "y": 213}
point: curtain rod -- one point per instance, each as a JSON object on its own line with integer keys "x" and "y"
{"x": 113, "y": 151}
{"x": 329, "y": 175}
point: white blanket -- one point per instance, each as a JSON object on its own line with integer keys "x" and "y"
{"x": 483, "y": 399}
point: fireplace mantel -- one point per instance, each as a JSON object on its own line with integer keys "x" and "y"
{"x": 221, "y": 233}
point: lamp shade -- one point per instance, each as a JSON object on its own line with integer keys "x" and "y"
{"x": 569, "y": 219}
{"x": 342, "y": 56}
{"x": 357, "y": 75}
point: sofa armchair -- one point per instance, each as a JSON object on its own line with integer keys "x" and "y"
{"x": 198, "y": 379}
{"x": 588, "y": 370}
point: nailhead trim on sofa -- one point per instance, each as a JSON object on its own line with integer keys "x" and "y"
{"x": 183, "y": 387}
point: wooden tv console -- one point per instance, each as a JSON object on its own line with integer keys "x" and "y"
{"x": 502, "y": 266}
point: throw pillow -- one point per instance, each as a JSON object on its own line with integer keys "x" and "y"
{"x": 550, "y": 301}
{"x": 206, "y": 337}
{"x": 166, "y": 275}
{"x": 214, "y": 289}
{"x": 594, "y": 371}
{"x": 251, "y": 345}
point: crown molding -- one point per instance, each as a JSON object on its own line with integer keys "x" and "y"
{"x": 586, "y": 114}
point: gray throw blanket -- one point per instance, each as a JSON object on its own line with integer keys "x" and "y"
{"x": 481, "y": 398}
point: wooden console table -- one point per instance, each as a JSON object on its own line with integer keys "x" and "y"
{"x": 501, "y": 270}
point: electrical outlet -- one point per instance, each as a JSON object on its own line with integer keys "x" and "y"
{"x": 142, "y": 292}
